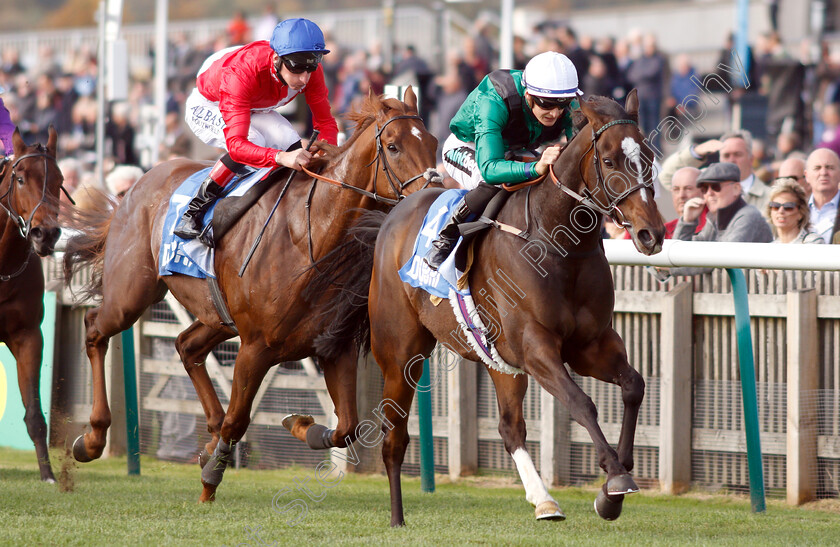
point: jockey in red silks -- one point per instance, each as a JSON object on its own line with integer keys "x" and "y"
{"x": 233, "y": 107}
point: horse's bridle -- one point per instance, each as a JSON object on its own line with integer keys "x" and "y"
{"x": 429, "y": 174}
{"x": 25, "y": 225}
{"x": 612, "y": 210}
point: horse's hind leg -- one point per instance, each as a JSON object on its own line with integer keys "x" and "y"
{"x": 340, "y": 377}
{"x": 193, "y": 346}
{"x": 510, "y": 392}
{"x": 27, "y": 348}
{"x": 606, "y": 360}
{"x": 399, "y": 347}
{"x": 125, "y": 299}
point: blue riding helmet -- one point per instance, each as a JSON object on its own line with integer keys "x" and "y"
{"x": 297, "y": 36}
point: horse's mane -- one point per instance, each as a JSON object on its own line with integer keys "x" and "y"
{"x": 370, "y": 108}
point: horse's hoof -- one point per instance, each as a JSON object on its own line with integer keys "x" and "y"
{"x": 297, "y": 424}
{"x": 79, "y": 451}
{"x": 208, "y": 493}
{"x": 549, "y": 510}
{"x": 621, "y": 484}
{"x": 49, "y": 480}
{"x": 608, "y": 509}
{"x": 290, "y": 420}
{"x": 203, "y": 457}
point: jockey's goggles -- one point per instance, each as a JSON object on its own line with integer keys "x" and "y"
{"x": 547, "y": 103}
{"x": 298, "y": 63}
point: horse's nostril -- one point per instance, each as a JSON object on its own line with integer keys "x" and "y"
{"x": 645, "y": 237}
{"x": 36, "y": 233}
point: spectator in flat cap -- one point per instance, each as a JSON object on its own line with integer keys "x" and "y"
{"x": 734, "y": 147}
{"x": 730, "y": 218}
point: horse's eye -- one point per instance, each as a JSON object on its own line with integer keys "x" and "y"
{"x": 392, "y": 148}
{"x": 20, "y": 180}
{"x": 608, "y": 162}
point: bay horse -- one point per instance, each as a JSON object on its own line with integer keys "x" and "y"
{"x": 29, "y": 191}
{"x": 389, "y": 153}
{"x": 547, "y": 291}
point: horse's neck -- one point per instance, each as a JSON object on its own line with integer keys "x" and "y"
{"x": 13, "y": 247}
{"x": 331, "y": 206}
{"x": 554, "y": 210}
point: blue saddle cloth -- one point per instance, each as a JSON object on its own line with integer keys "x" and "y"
{"x": 190, "y": 256}
{"x": 415, "y": 272}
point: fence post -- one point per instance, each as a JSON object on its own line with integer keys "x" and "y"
{"x": 555, "y": 440}
{"x": 427, "y": 447}
{"x": 802, "y": 382}
{"x": 462, "y": 418}
{"x": 746, "y": 365}
{"x": 132, "y": 424}
{"x": 675, "y": 390}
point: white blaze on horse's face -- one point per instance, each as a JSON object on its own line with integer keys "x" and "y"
{"x": 633, "y": 152}
{"x": 416, "y": 133}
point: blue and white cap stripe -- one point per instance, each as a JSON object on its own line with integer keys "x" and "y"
{"x": 551, "y": 92}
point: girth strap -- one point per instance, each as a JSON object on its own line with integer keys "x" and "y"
{"x": 220, "y": 304}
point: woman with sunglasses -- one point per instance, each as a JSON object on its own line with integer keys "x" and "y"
{"x": 789, "y": 214}
{"x": 233, "y": 107}
{"x": 509, "y": 111}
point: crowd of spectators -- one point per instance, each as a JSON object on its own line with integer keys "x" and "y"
{"x": 59, "y": 89}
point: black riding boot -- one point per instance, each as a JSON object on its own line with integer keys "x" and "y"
{"x": 189, "y": 226}
{"x": 448, "y": 237}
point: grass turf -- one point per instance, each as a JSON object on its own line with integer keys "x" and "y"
{"x": 107, "y": 507}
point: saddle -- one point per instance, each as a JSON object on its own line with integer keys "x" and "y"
{"x": 231, "y": 208}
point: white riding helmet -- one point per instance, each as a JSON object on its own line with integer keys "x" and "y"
{"x": 551, "y": 74}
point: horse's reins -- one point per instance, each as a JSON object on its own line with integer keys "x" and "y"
{"x": 429, "y": 174}
{"x": 585, "y": 199}
{"x": 612, "y": 210}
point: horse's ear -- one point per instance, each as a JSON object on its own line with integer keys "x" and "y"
{"x": 17, "y": 142}
{"x": 52, "y": 141}
{"x": 410, "y": 99}
{"x": 631, "y": 105}
{"x": 591, "y": 114}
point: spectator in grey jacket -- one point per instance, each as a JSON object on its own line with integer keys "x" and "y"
{"x": 729, "y": 218}
{"x": 734, "y": 147}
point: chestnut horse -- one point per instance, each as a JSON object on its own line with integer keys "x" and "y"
{"x": 29, "y": 188}
{"x": 390, "y": 152}
{"x": 547, "y": 291}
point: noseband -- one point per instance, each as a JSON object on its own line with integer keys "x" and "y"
{"x": 24, "y": 225}
{"x": 612, "y": 210}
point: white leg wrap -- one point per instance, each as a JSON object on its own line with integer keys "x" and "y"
{"x": 535, "y": 490}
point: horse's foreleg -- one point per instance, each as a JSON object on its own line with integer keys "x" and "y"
{"x": 606, "y": 360}
{"x": 546, "y": 366}
{"x": 27, "y": 349}
{"x": 193, "y": 346}
{"x": 252, "y": 364}
{"x": 340, "y": 377}
{"x": 510, "y": 392}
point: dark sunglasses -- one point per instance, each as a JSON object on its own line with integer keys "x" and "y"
{"x": 298, "y": 64}
{"x": 787, "y": 206}
{"x": 550, "y": 104}
{"x": 714, "y": 186}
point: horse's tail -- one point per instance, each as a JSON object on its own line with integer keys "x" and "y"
{"x": 344, "y": 275}
{"x": 86, "y": 247}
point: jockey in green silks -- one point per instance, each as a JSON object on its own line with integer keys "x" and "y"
{"x": 509, "y": 111}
